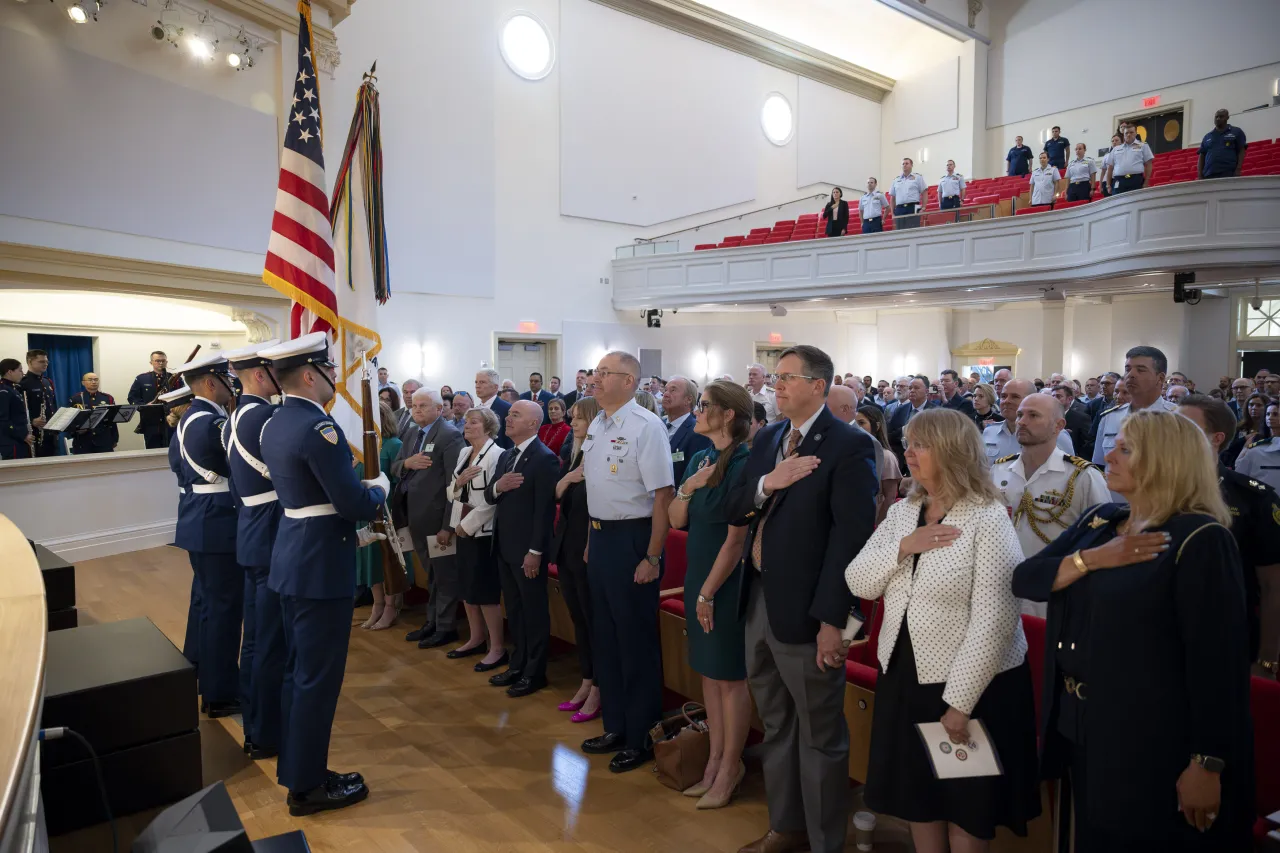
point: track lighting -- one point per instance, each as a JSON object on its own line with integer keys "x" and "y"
{"x": 77, "y": 14}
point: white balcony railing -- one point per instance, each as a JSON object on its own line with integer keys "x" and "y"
{"x": 1223, "y": 224}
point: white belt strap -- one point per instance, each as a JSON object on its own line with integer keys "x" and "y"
{"x": 208, "y": 475}
{"x": 211, "y": 488}
{"x": 258, "y": 500}
{"x": 254, "y": 462}
{"x": 311, "y": 511}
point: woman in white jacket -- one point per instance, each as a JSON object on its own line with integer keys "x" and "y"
{"x": 471, "y": 521}
{"x": 951, "y": 646}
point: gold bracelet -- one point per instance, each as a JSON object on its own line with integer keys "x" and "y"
{"x": 1270, "y": 666}
{"x": 1079, "y": 561}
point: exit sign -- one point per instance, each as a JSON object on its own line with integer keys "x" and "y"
{"x": 775, "y": 338}
{"x": 528, "y": 327}
{"x": 1153, "y": 101}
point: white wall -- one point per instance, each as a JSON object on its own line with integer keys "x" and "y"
{"x": 837, "y": 137}
{"x": 910, "y": 109}
{"x": 927, "y": 102}
{"x": 1156, "y": 44}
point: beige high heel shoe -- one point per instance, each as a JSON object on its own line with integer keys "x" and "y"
{"x": 374, "y": 615}
{"x": 390, "y": 612}
{"x": 696, "y": 790}
{"x": 709, "y": 802}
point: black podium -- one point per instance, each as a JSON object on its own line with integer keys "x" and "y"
{"x": 59, "y": 588}
{"x": 132, "y": 695}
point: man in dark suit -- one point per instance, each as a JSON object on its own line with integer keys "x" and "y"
{"x": 1107, "y": 398}
{"x": 488, "y": 381}
{"x": 539, "y": 394}
{"x": 678, "y": 402}
{"x": 525, "y": 493}
{"x": 1079, "y": 424}
{"x": 808, "y": 494}
{"x": 917, "y": 401}
{"x": 423, "y": 466}
{"x": 580, "y": 385}
{"x": 953, "y": 396}
{"x": 1240, "y": 391}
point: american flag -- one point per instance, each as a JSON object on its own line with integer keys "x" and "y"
{"x": 300, "y": 252}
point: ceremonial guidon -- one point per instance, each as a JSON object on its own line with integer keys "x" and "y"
{"x": 313, "y": 565}
{"x": 262, "y": 651}
{"x": 207, "y": 530}
{"x": 182, "y": 396}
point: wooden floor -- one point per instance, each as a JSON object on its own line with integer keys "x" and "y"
{"x": 453, "y": 764}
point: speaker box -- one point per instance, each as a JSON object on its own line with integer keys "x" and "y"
{"x": 59, "y": 579}
{"x": 206, "y": 822}
{"x": 61, "y": 620}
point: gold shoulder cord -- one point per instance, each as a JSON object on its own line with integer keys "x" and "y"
{"x": 1036, "y": 516}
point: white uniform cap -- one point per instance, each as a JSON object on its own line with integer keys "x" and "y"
{"x": 178, "y": 395}
{"x": 214, "y": 362}
{"x": 308, "y": 349}
{"x": 246, "y": 357}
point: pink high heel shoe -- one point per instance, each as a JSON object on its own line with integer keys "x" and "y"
{"x": 584, "y": 718}
{"x": 571, "y": 706}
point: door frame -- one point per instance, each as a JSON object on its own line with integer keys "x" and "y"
{"x": 1185, "y": 106}
{"x": 555, "y": 365}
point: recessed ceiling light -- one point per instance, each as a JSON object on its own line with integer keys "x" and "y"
{"x": 77, "y": 13}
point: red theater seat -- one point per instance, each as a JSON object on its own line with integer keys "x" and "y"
{"x": 701, "y": 246}
{"x": 1063, "y": 205}
{"x": 1037, "y": 208}
{"x": 676, "y": 562}
{"x": 1264, "y": 696}
{"x": 1033, "y": 627}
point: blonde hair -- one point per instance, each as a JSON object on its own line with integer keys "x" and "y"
{"x": 987, "y": 393}
{"x": 958, "y": 455}
{"x": 589, "y": 408}
{"x": 1173, "y": 468}
{"x": 645, "y": 399}
{"x": 487, "y": 419}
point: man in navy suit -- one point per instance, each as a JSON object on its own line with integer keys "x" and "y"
{"x": 538, "y": 393}
{"x": 488, "y": 381}
{"x": 917, "y": 401}
{"x": 953, "y": 396}
{"x": 678, "y": 402}
{"x": 1240, "y": 391}
{"x": 525, "y": 493}
{"x": 808, "y": 498}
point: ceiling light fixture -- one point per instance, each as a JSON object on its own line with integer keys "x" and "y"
{"x": 233, "y": 59}
{"x": 77, "y": 14}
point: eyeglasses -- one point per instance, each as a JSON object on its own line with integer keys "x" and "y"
{"x": 600, "y": 371}
{"x": 703, "y": 405}
{"x": 788, "y": 377}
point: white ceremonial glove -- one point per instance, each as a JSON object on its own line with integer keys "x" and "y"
{"x": 380, "y": 483}
{"x": 366, "y": 536}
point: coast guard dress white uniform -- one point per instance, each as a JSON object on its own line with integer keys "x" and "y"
{"x": 1048, "y": 502}
{"x": 313, "y": 566}
{"x": 1000, "y": 441}
{"x": 1261, "y": 461}
{"x": 206, "y": 530}
{"x": 1104, "y": 440}
{"x": 1043, "y": 181}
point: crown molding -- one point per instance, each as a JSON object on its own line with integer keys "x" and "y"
{"x": 709, "y": 25}
{"x": 266, "y": 14}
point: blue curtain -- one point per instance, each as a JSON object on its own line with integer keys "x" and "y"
{"x": 70, "y": 357}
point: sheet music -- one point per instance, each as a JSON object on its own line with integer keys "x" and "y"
{"x": 62, "y": 418}
{"x": 125, "y": 414}
{"x": 960, "y": 760}
{"x": 97, "y": 417}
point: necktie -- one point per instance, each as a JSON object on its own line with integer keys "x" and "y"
{"x": 757, "y": 545}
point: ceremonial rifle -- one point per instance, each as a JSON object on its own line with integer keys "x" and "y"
{"x": 395, "y": 578}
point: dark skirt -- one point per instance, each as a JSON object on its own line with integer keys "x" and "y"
{"x": 479, "y": 568}
{"x": 900, "y": 780}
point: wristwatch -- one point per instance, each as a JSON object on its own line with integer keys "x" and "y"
{"x": 702, "y": 599}
{"x": 1270, "y": 666}
{"x": 654, "y": 561}
{"x": 1210, "y": 763}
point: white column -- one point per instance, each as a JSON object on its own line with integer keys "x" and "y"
{"x": 1053, "y": 316}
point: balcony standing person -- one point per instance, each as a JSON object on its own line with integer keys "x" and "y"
{"x": 1057, "y": 146}
{"x": 1103, "y": 186}
{"x": 1080, "y": 172}
{"x": 950, "y": 188}
{"x": 908, "y": 193}
{"x": 836, "y": 214}
{"x": 871, "y": 208}
{"x": 1044, "y": 182}
{"x": 1018, "y": 158}
{"x": 1130, "y": 167}
{"x": 1221, "y": 150}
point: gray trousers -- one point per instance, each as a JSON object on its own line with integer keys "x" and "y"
{"x": 806, "y": 739}
{"x": 444, "y": 586}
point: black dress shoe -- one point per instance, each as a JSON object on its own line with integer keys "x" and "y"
{"x": 204, "y": 707}
{"x": 333, "y": 794}
{"x": 346, "y": 778}
{"x": 505, "y": 679}
{"x": 248, "y": 747}
{"x": 222, "y": 709}
{"x": 604, "y": 744}
{"x": 486, "y": 667}
{"x": 259, "y": 752}
{"x": 454, "y": 654}
{"x": 420, "y": 633}
{"x": 439, "y": 638}
{"x": 630, "y": 759}
{"x": 526, "y": 686}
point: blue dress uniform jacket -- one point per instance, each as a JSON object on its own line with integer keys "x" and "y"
{"x": 14, "y": 427}
{"x": 310, "y": 465}
{"x": 206, "y": 519}
{"x": 259, "y": 511}
{"x": 191, "y": 642}
{"x": 104, "y": 437}
{"x": 144, "y": 390}
{"x": 41, "y": 401}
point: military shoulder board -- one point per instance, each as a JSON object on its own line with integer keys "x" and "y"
{"x": 1082, "y": 464}
{"x": 1009, "y": 458}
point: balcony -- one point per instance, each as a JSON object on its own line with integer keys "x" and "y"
{"x": 1226, "y": 225}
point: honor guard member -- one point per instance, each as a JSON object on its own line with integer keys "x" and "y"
{"x": 1222, "y": 149}
{"x": 1018, "y": 158}
{"x": 147, "y": 388}
{"x": 908, "y": 192}
{"x": 262, "y": 650}
{"x": 1044, "y": 181}
{"x": 1261, "y": 458}
{"x": 627, "y": 465}
{"x": 1044, "y": 489}
{"x": 1080, "y": 172}
{"x": 42, "y": 402}
{"x": 15, "y": 429}
{"x": 1255, "y": 524}
{"x": 105, "y": 436}
{"x": 207, "y": 530}
{"x": 871, "y": 208}
{"x": 1130, "y": 167}
{"x": 950, "y": 188}
{"x": 313, "y": 566}
{"x": 1057, "y": 146}
{"x": 181, "y": 397}
{"x": 1001, "y": 439}
{"x": 1144, "y": 375}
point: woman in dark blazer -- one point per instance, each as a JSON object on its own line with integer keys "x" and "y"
{"x": 1146, "y": 672}
{"x": 836, "y": 214}
{"x": 567, "y": 548}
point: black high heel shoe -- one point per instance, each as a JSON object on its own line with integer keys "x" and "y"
{"x": 485, "y": 667}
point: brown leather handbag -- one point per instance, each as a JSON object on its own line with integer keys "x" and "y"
{"x": 681, "y": 747}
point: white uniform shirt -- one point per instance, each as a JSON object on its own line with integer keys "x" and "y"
{"x": 1262, "y": 462}
{"x": 908, "y": 189}
{"x": 1043, "y": 184}
{"x": 768, "y": 399}
{"x": 1109, "y": 426}
{"x": 1081, "y": 169}
{"x": 625, "y": 459}
{"x": 872, "y": 204}
{"x": 1001, "y": 442}
{"x": 1129, "y": 159}
{"x": 951, "y": 185}
{"x": 1049, "y": 486}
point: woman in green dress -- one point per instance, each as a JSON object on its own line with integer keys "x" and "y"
{"x": 386, "y": 609}
{"x": 717, "y": 646}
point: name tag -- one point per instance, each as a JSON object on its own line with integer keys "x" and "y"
{"x": 430, "y": 446}
{"x": 677, "y": 456}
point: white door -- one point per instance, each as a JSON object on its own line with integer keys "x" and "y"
{"x": 517, "y": 359}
